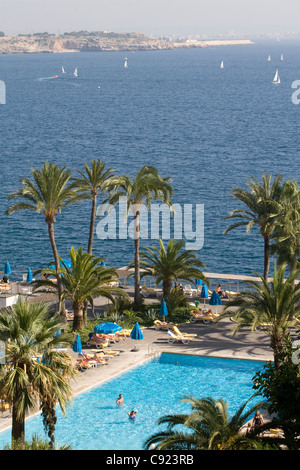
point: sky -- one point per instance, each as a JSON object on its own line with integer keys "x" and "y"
{"x": 151, "y": 17}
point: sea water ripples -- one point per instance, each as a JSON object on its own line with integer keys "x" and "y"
{"x": 209, "y": 129}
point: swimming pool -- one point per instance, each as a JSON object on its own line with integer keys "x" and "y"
{"x": 95, "y": 422}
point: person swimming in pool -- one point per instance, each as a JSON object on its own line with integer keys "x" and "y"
{"x": 120, "y": 399}
{"x": 132, "y": 414}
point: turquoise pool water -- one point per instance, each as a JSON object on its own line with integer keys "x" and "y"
{"x": 95, "y": 422}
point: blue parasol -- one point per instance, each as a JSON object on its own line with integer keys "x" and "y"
{"x": 29, "y": 276}
{"x": 215, "y": 299}
{"x": 204, "y": 292}
{"x": 77, "y": 344}
{"x": 107, "y": 328}
{"x": 164, "y": 309}
{"x": 198, "y": 282}
{"x": 7, "y": 269}
{"x": 102, "y": 263}
{"x": 136, "y": 334}
{"x": 67, "y": 262}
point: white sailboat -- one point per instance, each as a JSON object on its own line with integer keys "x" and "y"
{"x": 269, "y": 58}
{"x": 222, "y": 65}
{"x": 281, "y": 58}
{"x": 276, "y": 78}
{"x": 125, "y": 63}
{"x": 75, "y": 73}
{"x": 63, "y": 70}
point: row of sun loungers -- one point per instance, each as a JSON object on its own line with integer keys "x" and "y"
{"x": 196, "y": 292}
{"x": 95, "y": 359}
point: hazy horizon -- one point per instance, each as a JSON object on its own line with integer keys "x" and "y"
{"x": 154, "y": 17}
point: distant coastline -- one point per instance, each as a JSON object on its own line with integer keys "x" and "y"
{"x": 100, "y": 42}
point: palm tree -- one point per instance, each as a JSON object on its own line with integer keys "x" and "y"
{"x": 48, "y": 194}
{"x": 146, "y": 186}
{"x": 273, "y": 306}
{"x": 83, "y": 281}
{"x": 261, "y": 203}
{"x": 93, "y": 181}
{"x": 286, "y": 233}
{"x": 208, "y": 427}
{"x": 171, "y": 263}
{"x": 175, "y": 300}
{"x": 29, "y": 331}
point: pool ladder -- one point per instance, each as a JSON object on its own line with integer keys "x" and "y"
{"x": 152, "y": 351}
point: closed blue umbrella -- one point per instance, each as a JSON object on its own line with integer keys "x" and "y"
{"x": 215, "y": 299}
{"x": 102, "y": 263}
{"x": 136, "y": 334}
{"x": 198, "y": 282}
{"x": 164, "y": 309}
{"x": 204, "y": 292}
{"x": 7, "y": 269}
{"x": 29, "y": 275}
{"x": 77, "y": 344}
{"x": 107, "y": 328}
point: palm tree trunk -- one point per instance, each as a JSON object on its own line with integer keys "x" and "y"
{"x": 90, "y": 245}
{"x": 18, "y": 428}
{"x": 92, "y": 224}
{"x": 167, "y": 287}
{"x": 266, "y": 256}
{"x": 56, "y": 259}
{"x": 78, "y": 322}
{"x": 137, "y": 276}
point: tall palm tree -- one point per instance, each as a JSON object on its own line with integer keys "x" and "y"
{"x": 275, "y": 306}
{"x": 208, "y": 427}
{"x": 146, "y": 186}
{"x": 171, "y": 263}
{"x": 261, "y": 208}
{"x": 286, "y": 235}
{"x": 29, "y": 331}
{"x": 89, "y": 185}
{"x": 83, "y": 281}
{"x": 48, "y": 194}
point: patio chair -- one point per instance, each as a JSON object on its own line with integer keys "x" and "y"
{"x": 162, "y": 325}
{"x": 180, "y": 338}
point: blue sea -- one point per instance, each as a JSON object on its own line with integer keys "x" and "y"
{"x": 206, "y": 128}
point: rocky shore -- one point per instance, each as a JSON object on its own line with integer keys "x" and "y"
{"x": 98, "y": 42}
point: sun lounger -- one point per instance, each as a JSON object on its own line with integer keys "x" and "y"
{"x": 93, "y": 358}
{"x": 205, "y": 317}
{"x": 112, "y": 338}
{"x": 178, "y": 332}
{"x": 146, "y": 291}
{"x": 189, "y": 291}
{"x": 107, "y": 352}
{"x": 181, "y": 338}
{"x": 83, "y": 365}
{"x": 98, "y": 342}
{"x": 231, "y": 293}
{"x": 162, "y": 325}
{"x": 124, "y": 333}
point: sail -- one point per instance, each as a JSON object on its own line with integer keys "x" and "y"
{"x": 276, "y": 78}
{"x": 269, "y": 58}
{"x": 63, "y": 70}
{"x": 125, "y": 63}
{"x": 281, "y": 57}
{"x": 222, "y": 65}
{"x": 75, "y": 72}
